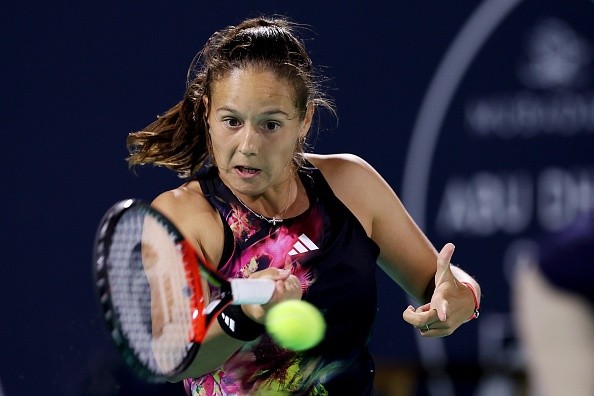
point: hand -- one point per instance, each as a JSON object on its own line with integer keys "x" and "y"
{"x": 287, "y": 287}
{"x": 450, "y": 303}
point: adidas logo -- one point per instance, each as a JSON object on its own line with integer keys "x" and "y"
{"x": 229, "y": 322}
{"x": 303, "y": 244}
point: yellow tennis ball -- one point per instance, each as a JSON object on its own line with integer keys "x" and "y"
{"x": 296, "y": 325}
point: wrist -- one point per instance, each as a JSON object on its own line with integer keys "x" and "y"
{"x": 234, "y": 321}
{"x": 477, "y": 303}
{"x": 254, "y": 311}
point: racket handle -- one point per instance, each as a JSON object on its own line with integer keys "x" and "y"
{"x": 251, "y": 291}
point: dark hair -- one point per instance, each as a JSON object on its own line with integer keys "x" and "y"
{"x": 179, "y": 138}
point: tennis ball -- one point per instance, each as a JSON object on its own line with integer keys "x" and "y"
{"x": 296, "y": 325}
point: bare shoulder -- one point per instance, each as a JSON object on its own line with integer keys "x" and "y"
{"x": 182, "y": 201}
{"x": 193, "y": 215}
{"x": 350, "y": 175}
{"x": 339, "y": 167}
{"x": 353, "y": 181}
{"x": 335, "y": 160}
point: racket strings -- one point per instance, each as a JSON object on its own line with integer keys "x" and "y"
{"x": 149, "y": 291}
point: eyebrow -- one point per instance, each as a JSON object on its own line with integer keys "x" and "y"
{"x": 267, "y": 113}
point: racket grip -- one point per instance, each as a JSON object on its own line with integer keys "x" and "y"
{"x": 251, "y": 291}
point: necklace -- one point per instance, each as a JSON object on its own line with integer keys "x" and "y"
{"x": 274, "y": 220}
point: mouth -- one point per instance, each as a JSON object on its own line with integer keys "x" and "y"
{"x": 246, "y": 170}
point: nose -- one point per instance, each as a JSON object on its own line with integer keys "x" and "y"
{"x": 248, "y": 141}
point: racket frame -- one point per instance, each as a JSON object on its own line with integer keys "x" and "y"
{"x": 196, "y": 269}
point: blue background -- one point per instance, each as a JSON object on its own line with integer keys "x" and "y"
{"x": 78, "y": 76}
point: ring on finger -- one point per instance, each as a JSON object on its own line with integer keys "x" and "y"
{"x": 427, "y": 327}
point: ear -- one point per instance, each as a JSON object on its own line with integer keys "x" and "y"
{"x": 307, "y": 120}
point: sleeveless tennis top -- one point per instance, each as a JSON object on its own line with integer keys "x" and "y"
{"x": 328, "y": 250}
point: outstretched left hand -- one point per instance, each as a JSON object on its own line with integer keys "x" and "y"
{"x": 451, "y": 303}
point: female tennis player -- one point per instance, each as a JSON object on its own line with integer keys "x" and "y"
{"x": 258, "y": 206}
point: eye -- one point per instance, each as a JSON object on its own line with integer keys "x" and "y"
{"x": 271, "y": 126}
{"x": 231, "y": 122}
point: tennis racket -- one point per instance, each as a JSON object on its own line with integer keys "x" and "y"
{"x": 158, "y": 297}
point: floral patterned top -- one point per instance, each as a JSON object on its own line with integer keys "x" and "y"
{"x": 328, "y": 250}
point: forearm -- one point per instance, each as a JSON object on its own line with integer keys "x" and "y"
{"x": 214, "y": 351}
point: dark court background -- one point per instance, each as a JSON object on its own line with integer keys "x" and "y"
{"x": 480, "y": 114}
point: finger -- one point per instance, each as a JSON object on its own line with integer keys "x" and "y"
{"x": 286, "y": 289}
{"x": 282, "y": 274}
{"x": 295, "y": 287}
{"x": 292, "y": 283}
{"x": 443, "y": 264}
{"x": 442, "y": 310}
{"x": 419, "y": 318}
{"x": 271, "y": 273}
{"x": 431, "y": 332}
{"x": 423, "y": 308}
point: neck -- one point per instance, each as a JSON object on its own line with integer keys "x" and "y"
{"x": 272, "y": 213}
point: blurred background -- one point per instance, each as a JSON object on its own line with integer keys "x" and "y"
{"x": 480, "y": 114}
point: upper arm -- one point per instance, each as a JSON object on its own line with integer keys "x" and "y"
{"x": 201, "y": 225}
{"x": 406, "y": 255}
{"x": 195, "y": 218}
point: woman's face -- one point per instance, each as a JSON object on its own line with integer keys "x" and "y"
{"x": 254, "y": 127}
